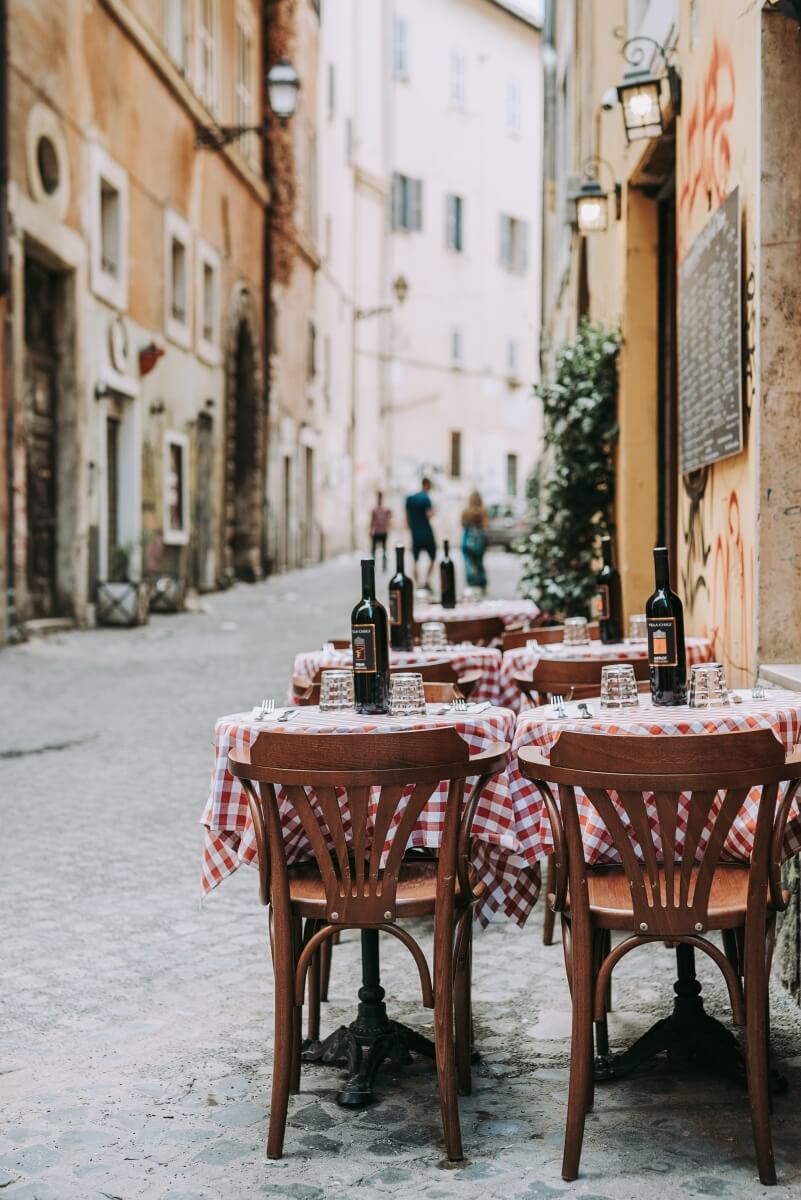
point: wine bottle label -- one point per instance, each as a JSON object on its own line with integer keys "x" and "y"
{"x": 662, "y": 642}
{"x": 395, "y": 606}
{"x": 364, "y": 659}
{"x": 602, "y": 602}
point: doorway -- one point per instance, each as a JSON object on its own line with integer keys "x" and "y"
{"x": 243, "y": 469}
{"x": 308, "y": 507}
{"x": 204, "y": 571}
{"x": 41, "y": 407}
{"x": 668, "y": 397}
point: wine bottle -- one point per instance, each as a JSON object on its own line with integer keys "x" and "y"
{"x": 447, "y": 578}
{"x": 401, "y": 606}
{"x": 370, "y": 641}
{"x": 609, "y": 597}
{"x": 666, "y": 652}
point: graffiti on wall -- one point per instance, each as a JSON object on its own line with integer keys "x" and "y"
{"x": 732, "y": 593}
{"x": 706, "y": 145}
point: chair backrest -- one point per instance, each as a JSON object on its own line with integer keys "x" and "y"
{"x": 306, "y": 691}
{"x": 579, "y": 678}
{"x": 358, "y": 798}
{"x": 441, "y": 671}
{"x": 481, "y": 631}
{"x": 670, "y": 802}
{"x": 546, "y": 635}
{"x": 440, "y": 693}
{"x": 340, "y": 643}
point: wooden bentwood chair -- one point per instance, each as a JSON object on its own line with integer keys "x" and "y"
{"x": 352, "y": 885}
{"x": 546, "y": 635}
{"x": 307, "y": 691}
{"x": 575, "y": 680}
{"x": 479, "y": 631}
{"x": 663, "y": 893}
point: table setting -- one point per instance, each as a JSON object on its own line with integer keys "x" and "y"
{"x": 514, "y": 612}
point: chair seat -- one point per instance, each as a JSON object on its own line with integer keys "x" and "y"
{"x": 417, "y": 889}
{"x": 611, "y": 907}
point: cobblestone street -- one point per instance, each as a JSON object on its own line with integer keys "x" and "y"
{"x": 136, "y": 1024}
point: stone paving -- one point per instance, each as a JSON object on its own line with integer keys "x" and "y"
{"x": 136, "y": 1025}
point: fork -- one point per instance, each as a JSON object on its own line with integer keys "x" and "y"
{"x": 267, "y": 707}
{"x": 559, "y": 704}
{"x": 459, "y": 706}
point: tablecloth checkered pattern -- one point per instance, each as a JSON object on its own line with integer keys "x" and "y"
{"x": 511, "y": 612}
{"x": 522, "y": 661}
{"x": 780, "y": 713}
{"x": 485, "y": 659}
{"x": 512, "y": 880}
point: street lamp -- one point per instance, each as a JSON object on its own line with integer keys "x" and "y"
{"x": 640, "y": 90}
{"x": 592, "y": 201}
{"x": 282, "y": 85}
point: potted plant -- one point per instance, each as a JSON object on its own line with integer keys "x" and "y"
{"x": 121, "y": 600}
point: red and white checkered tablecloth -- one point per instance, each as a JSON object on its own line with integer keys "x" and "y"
{"x": 522, "y": 661}
{"x": 511, "y": 612}
{"x": 511, "y": 879}
{"x": 485, "y": 659}
{"x": 780, "y": 712}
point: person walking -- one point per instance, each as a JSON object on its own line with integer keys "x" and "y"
{"x": 380, "y": 521}
{"x": 419, "y": 511}
{"x": 474, "y": 541}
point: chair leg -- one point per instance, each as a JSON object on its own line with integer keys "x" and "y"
{"x": 462, "y": 1003}
{"x": 297, "y": 1011}
{"x": 579, "y": 1090}
{"x": 444, "y": 1035}
{"x": 284, "y": 966}
{"x": 550, "y": 916}
{"x": 732, "y": 949}
{"x": 313, "y": 993}
{"x": 756, "y": 1057}
{"x": 325, "y": 968}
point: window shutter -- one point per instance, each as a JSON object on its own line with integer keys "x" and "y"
{"x": 459, "y": 220}
{"x": 397, "y": 201}
{"x": 416, "y": 204}
{"x": 522, "y": 264}
{"x": 504, "y": 251}
{"x": 450, "y": 221}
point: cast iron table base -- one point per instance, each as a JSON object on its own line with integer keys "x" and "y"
{"x": 689, "y": 1036}
{"x": 370, "y": 1040}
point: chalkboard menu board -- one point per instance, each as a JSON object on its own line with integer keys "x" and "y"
{"x": 710, "y": 359}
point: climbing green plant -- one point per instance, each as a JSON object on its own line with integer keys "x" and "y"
{"x": 571, "y": 491}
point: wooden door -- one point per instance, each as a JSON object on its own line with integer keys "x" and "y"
{"x": 40, "y": 415}
{"x": 668, "y": 373}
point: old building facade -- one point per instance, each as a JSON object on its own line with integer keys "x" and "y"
{"x": 136, "y": 326}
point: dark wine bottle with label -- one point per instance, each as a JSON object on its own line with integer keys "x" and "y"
{"x": 370, "y": 640}
{"x": 666, "y": 652}
{"x": 401, "y": 606}
{"x": 609, "y": 597}
{"x": 447, "y": 578}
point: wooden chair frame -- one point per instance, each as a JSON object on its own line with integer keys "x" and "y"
{"x": 307, "y": 691}
{"x": 361, "y": 882}
{"x": 670, "y": 894}
{"x": 480, "y": 631}
{"x": 546, "y": 635}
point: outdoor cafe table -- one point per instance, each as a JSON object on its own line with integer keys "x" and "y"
{"x": 511, "y": 879}
{"x": 522, "y": 661}
{"x": 515, "y": 612}
{"x": 466, "y": 657}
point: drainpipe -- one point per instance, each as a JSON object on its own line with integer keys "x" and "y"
{"x": 548, "y": 155}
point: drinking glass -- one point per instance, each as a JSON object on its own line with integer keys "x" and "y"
{"x": 407, "y": 696}
{"x": 336, "y": 691}
{"x": 619, "y": 687}
{"x": 638, "y": 628}
{"x": 707, "y": 685}
{"x": 577, "y": 631}
{"x": 433, "y": 635}
{"x": 469, "y": 594}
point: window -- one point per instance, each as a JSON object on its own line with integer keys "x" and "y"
{"x": 176, "y": 32}
{"x": 208, "y": 302}
{"x": 332, "y": 91}
{"x": 458, "y": 71}
{"x": 109, "y": 228}
{"x": 511, "y": 475}
{"x": 457, "y": 357}
{"x": 178, "y": 272}
{"x": 349, "y": 141}
{"x": 311, "y": 357}
{"x": 513, "y": 244}
{"x": 311, "y": 185}
{"x": 407, "y": 203}
{"x": 456, "y": 455}
{"x": 454, "y": 207}
{"x": 400, "y": 49}
{"x": 207, "y": 53}
{"x": 513, "y": 116}
{"x": 327, "y": 372}
{"x": 244, "y": 85}
{"x": 176, "y": 489}
{"x": 511, "y": 358}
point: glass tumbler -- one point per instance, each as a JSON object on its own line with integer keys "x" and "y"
{"x": 433, "y": 635}
{"x": 336, "y": 691}
{"x": 407, "y": 696}
{"x": 619, "y": 687}
{"x": 638, "y": 628}
{"x": 577, "y": 631}
{"x": 707, "y": 685}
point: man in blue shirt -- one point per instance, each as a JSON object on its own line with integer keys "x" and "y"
{"x": 419, "y": 510}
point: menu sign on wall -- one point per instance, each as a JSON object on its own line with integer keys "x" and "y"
{"x": 710, "y": 354}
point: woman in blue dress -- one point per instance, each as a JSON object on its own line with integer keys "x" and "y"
{"x": 474, "y": 541}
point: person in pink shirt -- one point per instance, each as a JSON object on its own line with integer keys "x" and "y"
{"x": 380, "y": 521}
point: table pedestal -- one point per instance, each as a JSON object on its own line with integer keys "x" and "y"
{"x": 689, "y": 1036}
{"x": 371, "y": 1039}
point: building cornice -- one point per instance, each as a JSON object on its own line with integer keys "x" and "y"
{"x": 518, "y": 14}
{"x": 163, "y": 65}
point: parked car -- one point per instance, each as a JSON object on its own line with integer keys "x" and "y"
{"x": 507, "y": 524}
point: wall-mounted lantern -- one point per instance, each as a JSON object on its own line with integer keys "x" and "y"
{"x": 592, "y": 201}
{"x": 640, "y": 91}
